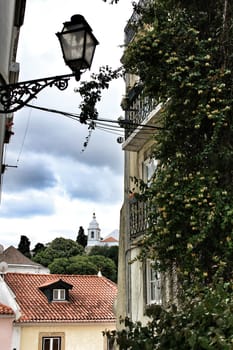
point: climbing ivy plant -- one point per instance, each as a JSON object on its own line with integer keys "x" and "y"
{"x": 183, "y": 53}
{"x": 204, "y": 322}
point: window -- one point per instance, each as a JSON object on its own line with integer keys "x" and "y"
{"x": 92, "y": 234}
{"x": 59, "y": 294}
{"x": 110, "y": 344}
{"x": 51, "y": 343}
{"x": 153, "y": 284}
{"x": 149, "y": 167}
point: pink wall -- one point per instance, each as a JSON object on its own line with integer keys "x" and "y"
{"x": 6, "y": 332}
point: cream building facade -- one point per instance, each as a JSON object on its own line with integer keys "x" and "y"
{"x": 139, "y": 284}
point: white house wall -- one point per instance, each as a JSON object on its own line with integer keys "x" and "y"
{"x": 9, "y": 68}
{"x": 7, "y": 297}
{"x": 16, "y": 336}
{"x": 7, "y": 11}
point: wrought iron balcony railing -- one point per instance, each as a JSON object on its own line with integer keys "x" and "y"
{"x": 137, "y": 110}
{"x": 138, "y": 218}
{"x": 129, "y": 29}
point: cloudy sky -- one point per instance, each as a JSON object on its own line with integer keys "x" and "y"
{"x": 57, "y": 186}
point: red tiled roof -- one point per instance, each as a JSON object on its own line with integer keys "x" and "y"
{"x": 5, "y": 310}
{"x": 110, "y": 239}
{"x": 49, "y": 282}
{"x": 91, "y": 298}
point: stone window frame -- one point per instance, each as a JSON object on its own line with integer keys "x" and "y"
{"x": 60, "y": 335}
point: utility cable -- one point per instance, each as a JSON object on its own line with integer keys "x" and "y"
{"x": 24, "y": 137}
{"x": 123, "y": 122}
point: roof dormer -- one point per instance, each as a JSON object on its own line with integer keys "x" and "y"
{"x": 56, "y": 291}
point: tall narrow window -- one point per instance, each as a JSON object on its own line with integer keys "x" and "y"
{"x": 153, "y": 284}
{"x": 149, "y": 167}
{"x": 51, "y": 343}
{"x": 110, "y": 344}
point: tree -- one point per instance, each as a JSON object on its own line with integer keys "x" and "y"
{"x": 24, "y": 246}
{"x": 84, "y": 265}
{"x": 105, "y": 265}
{"x": 38, "y": 248}
{"x": 79, "y": 265}
{"x": 81, "y": 238}
{"x": 59, "y": 265}
{"x": 58, "y": 248}
{"x": 108, "y": 252}
{"x": 112, "y": 253}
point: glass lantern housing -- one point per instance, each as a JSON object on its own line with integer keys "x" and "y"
{"x": 78, "y": 44}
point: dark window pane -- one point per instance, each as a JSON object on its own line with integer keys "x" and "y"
{"x": 46, "y": 344}
{"x": 53, "y": 343}
{"x": 56, "y": 344}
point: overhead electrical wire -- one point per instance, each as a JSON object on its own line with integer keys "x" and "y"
{"x": 24, "y": 136}
{"x": 117, "y": 128}
{"x": 20, "y": 151}
{"x": 109, "y": 130}
{"x": 102, "y": 124}
{"x": 121, "y": 124}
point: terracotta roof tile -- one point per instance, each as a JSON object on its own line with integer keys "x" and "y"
{"x": 5, "y": 310}
{"x": 49, "y": 282}
{"x": 110, "y": 239}
{"x": 91, "y": 298}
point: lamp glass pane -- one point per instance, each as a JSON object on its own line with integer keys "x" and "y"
{"x": 72, "y": 44}
{"x": 90, "y": 48}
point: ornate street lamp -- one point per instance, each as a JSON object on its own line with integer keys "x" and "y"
{"x": 78, "y": 47}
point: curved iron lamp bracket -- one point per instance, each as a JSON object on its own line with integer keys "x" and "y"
{"x": 15, "y": 96}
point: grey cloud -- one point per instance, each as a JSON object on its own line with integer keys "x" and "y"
{"x": 27, "y": 206}
{"x": 99, "y": 184}
{"x": 95, "y": 189}
{"x": 32, "y": 173}
{"x": 61, "y": 137}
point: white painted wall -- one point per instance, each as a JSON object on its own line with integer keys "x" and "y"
{"x": 27, "y": 268}
{"x": 7, "y": 9}
{"x": 7, "y": 297}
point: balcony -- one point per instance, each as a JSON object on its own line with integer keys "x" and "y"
{"x": 129, "y": 29}
{"x": 138, "y": 218}
{"x": 141, "y": 115}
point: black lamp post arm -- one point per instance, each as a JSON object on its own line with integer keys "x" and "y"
{"x": 14, "y": 96}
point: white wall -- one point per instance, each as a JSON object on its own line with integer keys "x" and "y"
{"x": 7, "y": 9}
{"x": 7, "y": 297}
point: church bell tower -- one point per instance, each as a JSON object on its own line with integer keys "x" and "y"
{"x": 93, "y": 233}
